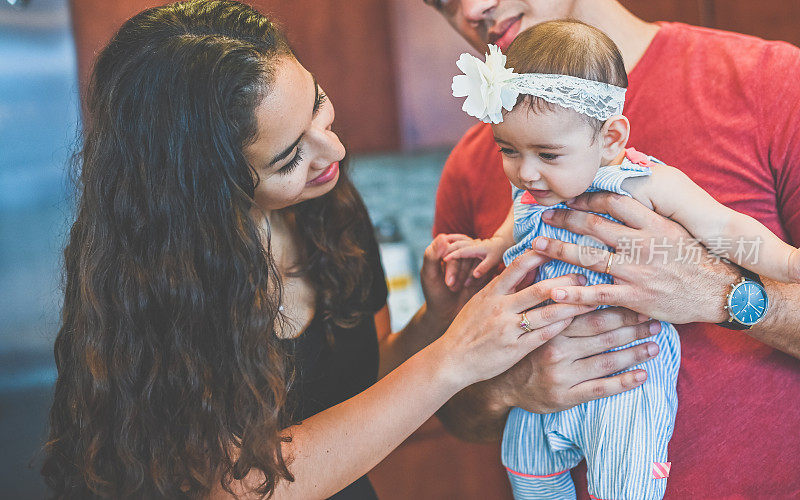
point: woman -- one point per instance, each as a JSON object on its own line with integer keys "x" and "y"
{"x": 223, "y": 283}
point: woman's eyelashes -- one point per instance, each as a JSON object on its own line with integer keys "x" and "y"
{"x": 293, "y": 163}
{"x": 322, "y": 97}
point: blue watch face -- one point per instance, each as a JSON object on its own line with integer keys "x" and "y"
{"x": 748, "y": 303}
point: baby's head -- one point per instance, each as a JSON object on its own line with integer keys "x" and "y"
{"x": 550, "y": 150}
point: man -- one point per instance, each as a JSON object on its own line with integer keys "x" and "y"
{"x": 724, "y": 108}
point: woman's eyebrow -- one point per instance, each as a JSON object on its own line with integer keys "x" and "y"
{"x": 317, "y": 102}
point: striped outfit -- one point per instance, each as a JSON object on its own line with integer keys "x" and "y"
{"x": 620, "y": 436}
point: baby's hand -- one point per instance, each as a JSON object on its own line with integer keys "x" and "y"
{"x": 794, "y": 266}
{"x": 460, "y": 256}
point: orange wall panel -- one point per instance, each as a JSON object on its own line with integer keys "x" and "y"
{"x": 770, "y": 19}
{"x": 345, "y": 44}
{"x": 687, "y": 11}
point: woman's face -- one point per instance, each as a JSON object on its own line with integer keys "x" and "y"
{"x": 295, "y": 153}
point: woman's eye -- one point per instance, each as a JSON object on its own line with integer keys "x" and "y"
{"x": 298, "y": 157}
{"x": 548, "y": 156}
{"x": 322, "y": 97}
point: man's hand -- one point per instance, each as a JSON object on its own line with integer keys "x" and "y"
{"x": 657, "y": 269}
{"x": 570, "y": 369}
{"x": 442, "y": 302}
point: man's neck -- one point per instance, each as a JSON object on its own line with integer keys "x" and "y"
{"x": 631, "y": 34}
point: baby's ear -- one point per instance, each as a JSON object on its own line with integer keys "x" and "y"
{"x": 614, "y": 137}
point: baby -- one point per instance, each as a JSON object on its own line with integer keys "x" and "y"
{"x": 562, "y": 134}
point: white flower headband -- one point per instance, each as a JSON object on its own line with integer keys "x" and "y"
{"x": 490, "y": 86}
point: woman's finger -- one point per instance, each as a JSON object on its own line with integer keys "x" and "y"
{"x": 539, "y": 292}
{"x": 553, "y": 313}
{"x": 604, "y": 320}
{"x": 590, "y": 346}
{"x": 531, "y": 340}
{"x": 607, "y": 386}
{"x": 507, "y": 280}
{"x": 623, "y": 208}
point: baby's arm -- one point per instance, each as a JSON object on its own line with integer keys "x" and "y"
{"x": 726, "y": 232}
{"x": 489, "y": 251}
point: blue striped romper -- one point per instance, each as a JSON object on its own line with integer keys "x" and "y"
{"x": 620, "y": 436}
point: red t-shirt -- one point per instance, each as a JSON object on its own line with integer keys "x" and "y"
{"x": 725, "y": 109}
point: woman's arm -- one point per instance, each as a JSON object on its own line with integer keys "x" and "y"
{"x": 441, "y": 306}
{"x": 335, "y": 447}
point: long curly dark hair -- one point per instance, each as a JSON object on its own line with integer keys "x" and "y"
{"x": 171, "y": 378}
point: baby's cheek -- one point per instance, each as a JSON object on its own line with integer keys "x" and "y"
{"x": 579, "y": 182}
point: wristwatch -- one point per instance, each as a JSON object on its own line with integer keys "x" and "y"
{"x": 747, "y": 302}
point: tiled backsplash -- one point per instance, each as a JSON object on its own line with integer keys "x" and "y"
{"x": 403, "y": 187}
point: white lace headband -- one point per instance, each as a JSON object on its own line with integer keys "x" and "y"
{"x": 490, "y": 86}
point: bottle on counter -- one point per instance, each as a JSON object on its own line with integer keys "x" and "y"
{"x": 405, "y": 293}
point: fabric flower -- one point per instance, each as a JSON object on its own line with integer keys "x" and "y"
{"x": 487, "y": 85}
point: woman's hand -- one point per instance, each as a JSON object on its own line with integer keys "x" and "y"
{"x": 574, "y": 367}
{"x": 657, "y": 271}
{"x": 570, "y": 369}
{"x": 486, "y": 338}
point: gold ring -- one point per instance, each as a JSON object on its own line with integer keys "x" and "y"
{"x": 610, "y": 261}
{"x": 525, "y": 324}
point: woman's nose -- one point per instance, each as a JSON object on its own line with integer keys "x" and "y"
{"x": 477, "y": 10}
{"x": 329, "y": 148}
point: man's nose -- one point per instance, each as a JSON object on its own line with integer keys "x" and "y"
{"x": 477, "y": 10}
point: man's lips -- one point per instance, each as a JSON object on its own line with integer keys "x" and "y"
{"x": 327, "y": 175}
{"x": 503, "y": 33}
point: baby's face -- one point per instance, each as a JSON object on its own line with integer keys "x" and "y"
{"x": 554, "y": 155}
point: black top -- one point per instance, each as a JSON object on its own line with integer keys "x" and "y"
{"x": 332, "y": 368}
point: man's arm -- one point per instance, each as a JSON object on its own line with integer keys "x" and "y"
{"x": 657, "y": 282}
{"x": 671, "y": 193}
{"x": 570, "y": 369}
{"x": 779, "y": 327}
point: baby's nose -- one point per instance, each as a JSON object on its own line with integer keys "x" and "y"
{"x": 529, "y": 174}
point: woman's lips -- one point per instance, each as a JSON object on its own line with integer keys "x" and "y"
{"x": 505, "y": 33}
{"x": 327, "y": 175}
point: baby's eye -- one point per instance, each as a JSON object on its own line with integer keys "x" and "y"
{"x": 507, "y": 151}
{"x": 548, "y": 156}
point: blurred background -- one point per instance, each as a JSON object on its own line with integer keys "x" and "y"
{"x": 387, "y": 65}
